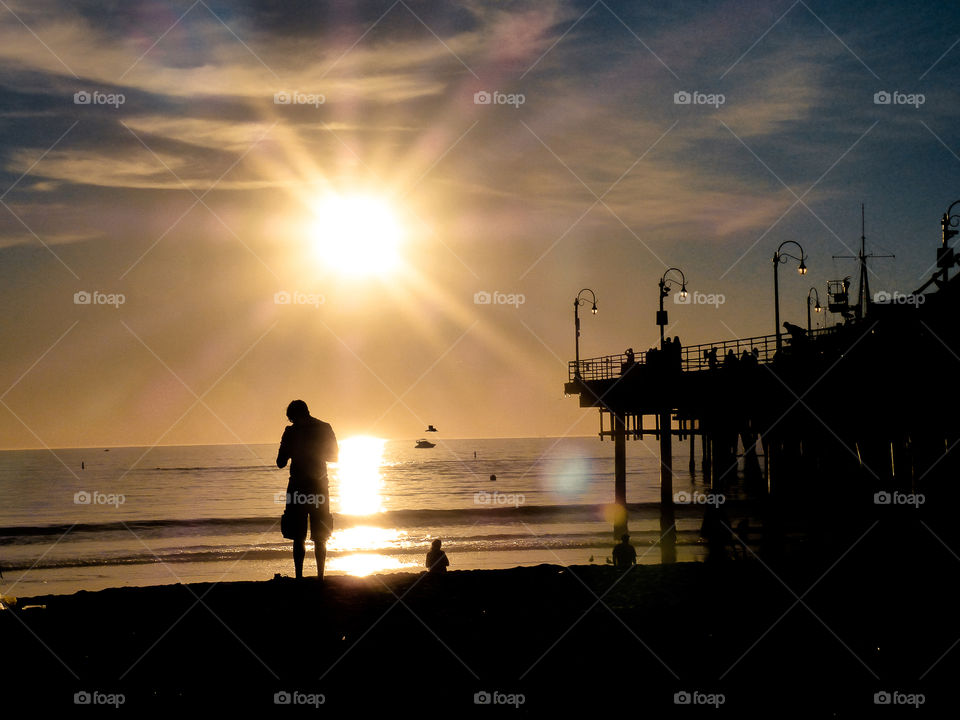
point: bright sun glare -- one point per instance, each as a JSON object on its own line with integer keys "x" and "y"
{"x": 357, "y": 234}
{"x": 358, "y": 475}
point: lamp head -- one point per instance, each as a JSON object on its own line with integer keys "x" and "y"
{"x": 683, "y": 292}
{"x": 594, "y": 309}
{"x": 802, "y": 268}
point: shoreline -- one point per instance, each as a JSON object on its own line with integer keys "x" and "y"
{"x": 559, "y": 636}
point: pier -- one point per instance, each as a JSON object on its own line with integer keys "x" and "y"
{"x": 861, "y": 411}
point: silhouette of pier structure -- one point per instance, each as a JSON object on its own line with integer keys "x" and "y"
{"x": 845, "y": 419}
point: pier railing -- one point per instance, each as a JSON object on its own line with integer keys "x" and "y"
{"x": 693, "y": 358}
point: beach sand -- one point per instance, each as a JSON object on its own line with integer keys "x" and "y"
{"x": 557, "y": 638}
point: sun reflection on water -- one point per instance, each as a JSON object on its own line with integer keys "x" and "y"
{"x": 358, "y": 483}
{"x": 357, "y": 475}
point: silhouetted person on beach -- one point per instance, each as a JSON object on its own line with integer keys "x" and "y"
{"x": 715, "y": 528}
{"x": 436, "y": 558}
{"x": 624, "y": 554}
{"x": 308, "y": 444}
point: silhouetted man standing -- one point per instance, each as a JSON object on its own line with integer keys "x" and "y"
{"x": 308, "y": 444}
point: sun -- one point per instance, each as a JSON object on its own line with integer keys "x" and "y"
{"x": 356, "y": 234}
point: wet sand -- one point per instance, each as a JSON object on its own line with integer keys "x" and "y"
{"x": 536, "y": 640}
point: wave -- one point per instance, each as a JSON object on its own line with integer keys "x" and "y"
{"x": 600, "y": 544}
{"x": 392, "y": 518}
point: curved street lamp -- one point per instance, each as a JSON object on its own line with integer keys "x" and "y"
{"x": 817, "y": 308}
{"x": 576, "y": 323}
{"x": 664, "y": 291}
{"x": 780, "y": 257}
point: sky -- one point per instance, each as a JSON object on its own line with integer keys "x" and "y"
{"x": 266, "y": 201}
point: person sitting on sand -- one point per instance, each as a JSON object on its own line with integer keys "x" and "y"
{"x": 624, "y": 554}
{"x": 308, "y": 444}
{"x": 436, "y": 558}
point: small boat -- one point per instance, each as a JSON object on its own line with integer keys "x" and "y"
{"x": 425, "y": 444}
{"x": 431, "y": 428}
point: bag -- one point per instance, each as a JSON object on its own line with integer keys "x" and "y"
{"x": 286, "y": 525}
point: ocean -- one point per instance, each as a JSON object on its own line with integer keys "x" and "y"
{"x": 92, "y": 518}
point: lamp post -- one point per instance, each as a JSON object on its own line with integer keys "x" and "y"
{"x": 576, "y": 323}
{"x": 779, "y": 257}
{"x": 668, "y": 553}
{"x": 817, "y": 308}
{"x": 664, "y": 291}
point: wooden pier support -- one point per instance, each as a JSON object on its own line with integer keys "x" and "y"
{"x": 668, "y": 531}
{"x": 619, "y": 475}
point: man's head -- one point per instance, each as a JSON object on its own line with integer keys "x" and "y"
{"x": 435, "y": 544}
{"x": 297, "y": 411}
{"x": 625, "y": 538}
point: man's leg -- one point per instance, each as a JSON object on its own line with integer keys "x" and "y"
{"x": 320, "y": 550}
{"x": 299, "y": 551}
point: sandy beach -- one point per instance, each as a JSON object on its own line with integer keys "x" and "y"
{"x": 821, "y": 633}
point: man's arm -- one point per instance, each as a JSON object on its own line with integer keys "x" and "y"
{"x": 284, "y": 455}
{"x": 332, "y": 450}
